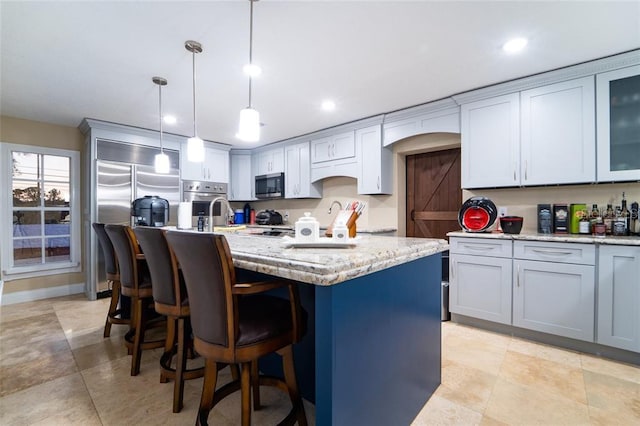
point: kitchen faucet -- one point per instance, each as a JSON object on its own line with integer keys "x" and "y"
{"x": 332, "y": 203}
{"x": 227, "y": 215}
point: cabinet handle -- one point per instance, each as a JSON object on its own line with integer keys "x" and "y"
{"x": 525, "y": 169}
{"x": 552, "y": 253}
{"x": 333, "y": 149}
{"x": 514, "y": 174}
{"x": 453, "y": 269}
{"x": 378, "y": 182}
{"x": 518, "y": 276}
{"x": 329, "y": 150}
{"x": 478, "y": 247}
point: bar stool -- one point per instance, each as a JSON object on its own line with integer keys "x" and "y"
{"x": 234, "y": 323}
{"x": 136, "y": 283}
{"x": 115, "y": 315}
{"x": 170, "y": 299}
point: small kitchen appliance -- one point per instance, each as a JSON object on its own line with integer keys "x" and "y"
{"x": 270, "y": 186}
{"x": 308, "y": 228}
{"x": 477, "y": 214}
{"x": 269, "y": 217}
{"x": 150, "y": 210}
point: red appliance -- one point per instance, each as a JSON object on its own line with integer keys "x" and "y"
{"x": 477, "y": 214}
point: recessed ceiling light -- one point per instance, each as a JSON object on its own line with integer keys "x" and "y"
{"x": 252, "y": 70}
{"x": 328, "y": 105}
{"x": 514, "y": 45}
{"x": 169, "y": 119}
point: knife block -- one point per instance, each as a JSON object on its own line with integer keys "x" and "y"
{"x": 349, "y": 217}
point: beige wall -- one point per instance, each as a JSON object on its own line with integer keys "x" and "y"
{"x": 26, "y": 132}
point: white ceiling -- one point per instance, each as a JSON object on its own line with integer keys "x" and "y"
{"x": 62, "y": 61}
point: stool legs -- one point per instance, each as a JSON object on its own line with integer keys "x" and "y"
{"x": 292, "y": 383}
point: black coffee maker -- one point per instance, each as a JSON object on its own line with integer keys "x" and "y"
{"x": 150, "y": 210}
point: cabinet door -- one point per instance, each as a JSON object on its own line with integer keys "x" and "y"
{"x": 241, "y": 178}
{"x": 555, "y": 298}
{"x": 491, "y": 142}
{"x": 375, "y": 162}
{"x": 298, "y": 173}
{"x": 216, "y": 165}
{"x": 190, "y": 170}
{"x": 332, "y": 148}
{"x": 292, "y": 171}
{"x": 277, "y": 161}
{"x": 618, "y": 115}
{"x": 480, "y": 287}
{"x": 619, "y": 297}
{"x": 558, "y": 136}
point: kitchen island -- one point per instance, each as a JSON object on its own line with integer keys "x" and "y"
{"x": 371, "y": 354}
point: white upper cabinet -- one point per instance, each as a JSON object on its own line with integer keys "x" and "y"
{"x": 376, "y": 165}
{"x": 618, "y": 115}
{"x": 213, "y": 168}
{"x": 542, "y": 136}
{"x": 491, "y": 142}
{"x": 557, "y": 143}
{"x": 335, "y": 147}
{"x": 241, "y": 185}
{"x": 267, "y": 162}
{"x": 297, "y": 175}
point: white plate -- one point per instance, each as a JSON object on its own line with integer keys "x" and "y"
{"x": 321, "y": 243}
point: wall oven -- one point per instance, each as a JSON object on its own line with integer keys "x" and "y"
{"x": 270, "y": 186}
{"x": 201, "y": 194}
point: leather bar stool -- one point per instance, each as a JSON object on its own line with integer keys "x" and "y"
{"x": 170, "y": 299}
{"x": 136, "y": 283}
{"x": 236, "y": 323}
{"x": 115, "y": 315}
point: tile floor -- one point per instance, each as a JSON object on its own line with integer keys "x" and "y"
{"x": 57, "y": 369}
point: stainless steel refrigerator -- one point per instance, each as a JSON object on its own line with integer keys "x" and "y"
{"x": 124, "y": 173}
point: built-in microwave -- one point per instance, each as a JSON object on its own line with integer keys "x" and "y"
{"x": 270, "y": 186}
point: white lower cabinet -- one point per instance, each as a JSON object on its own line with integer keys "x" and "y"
{"x": 480, "y": 286}
{"x": 554, "y": 288}
{"x": 619, "y": 297}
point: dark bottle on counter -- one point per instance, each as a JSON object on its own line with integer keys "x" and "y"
{"x": 608, "y": 219}
{"x": 247, "y": 213}
{"x": 624, "y": 214}
{"x": 585, "y": 223}
{"x": 593, "y": 217}
{"x": 634, "y": 222}
{"x": 200, "y": 223}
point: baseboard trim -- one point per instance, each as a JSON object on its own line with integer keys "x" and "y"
{"x": 41, "y": 293}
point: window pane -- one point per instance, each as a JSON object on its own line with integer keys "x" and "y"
{"x": 56, "y": 169}
{"x": 27, "y": 223}
{"x": 56, "y": 194}
{"x": 26, "y": 194}
{"x": 25, "y": 165}
{"x": 27, "y": 251}
{"x": 53, "y": 227}
{"x": 57, "y": 249}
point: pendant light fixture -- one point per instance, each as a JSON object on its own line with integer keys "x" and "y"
{"x": 195, "y": 145}
{"x": 249, "y": 128}
{"x": 161, "y": 162}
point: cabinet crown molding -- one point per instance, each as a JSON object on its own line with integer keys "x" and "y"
{"x": 571, "y": 72}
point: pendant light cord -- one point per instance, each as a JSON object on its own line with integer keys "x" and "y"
{"x": 160, "y": 115}
{"x": 250, "y": 46}
{"x": 193, "y": 62}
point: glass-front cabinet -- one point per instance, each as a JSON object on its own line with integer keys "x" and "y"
{"x": 618, "y": 124}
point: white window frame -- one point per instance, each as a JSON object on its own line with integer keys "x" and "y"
{"x": 9, "y": 270}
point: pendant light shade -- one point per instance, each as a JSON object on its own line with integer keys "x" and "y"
{"x": 161, "y": 161}
{"x": 195, "y": 145}
{"x": 249, "y": 127}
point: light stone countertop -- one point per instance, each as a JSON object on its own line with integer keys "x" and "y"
{"x": 558, "y": 238}
{"x": 378, "y": 230}
{"x": 327, "y": 266}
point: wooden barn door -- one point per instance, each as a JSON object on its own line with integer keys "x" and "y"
{"x": 434, "y": 195}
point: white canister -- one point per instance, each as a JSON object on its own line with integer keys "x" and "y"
{"x": 307, "y": 228}
{"x": 340, "y": 233}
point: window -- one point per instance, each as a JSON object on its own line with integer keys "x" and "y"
{"x": 43, "y": 209}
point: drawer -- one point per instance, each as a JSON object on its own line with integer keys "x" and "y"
{"x": 580, "y": 254}
{"x": 481, "y": 246}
